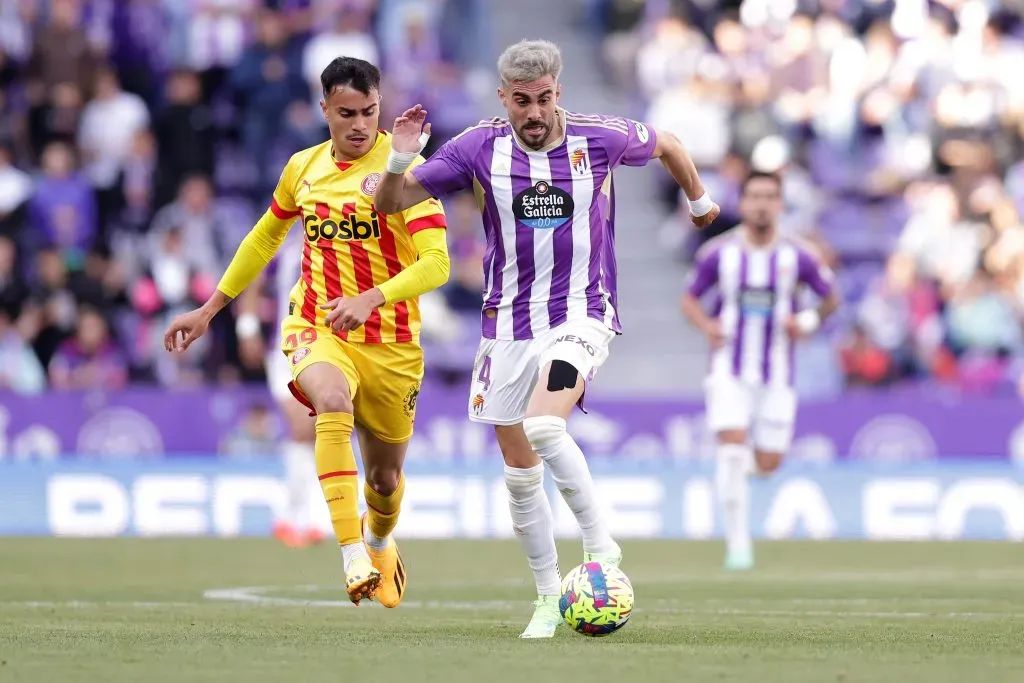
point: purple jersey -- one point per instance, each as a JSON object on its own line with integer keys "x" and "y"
{"x": 548, "y": 218}
{"x": 757, "y": 293}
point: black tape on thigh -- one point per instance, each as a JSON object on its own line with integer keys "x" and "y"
{"x": 561, "y": 376}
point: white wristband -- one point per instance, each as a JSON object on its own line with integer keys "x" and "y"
{"x": 701, "y": 206}
{"x": 424, "y": 139}
{"x": 808, "y": 321}
{"x": 399, "y": 162}
{"x": 247, "y": 326}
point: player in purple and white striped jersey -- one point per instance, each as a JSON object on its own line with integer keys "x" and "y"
{"x": 751, "y": 404}
{"x": 543, "y": 179}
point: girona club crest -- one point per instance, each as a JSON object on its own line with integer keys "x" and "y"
{"x": 370, "y": 184}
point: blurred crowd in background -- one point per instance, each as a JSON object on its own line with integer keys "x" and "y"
{"x": 139, "y": 141}
{"x": 897, "y": 126}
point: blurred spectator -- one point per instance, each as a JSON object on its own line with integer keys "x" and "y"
{"x": 185, "y": 136}
{"x": 465, "y": 288}
{"x": 267, "y": 81}
{"x": 63, "y": 209}
{"x": 20, "y": 370}
{"x": 13, "y": 290}
{"x": 348, "y": 34}
{"x": 110, "y": 123}
{"x": 15, "y": 191}
{"x": 203, "y": 227}
{"x": 61, "y": 54}
{"x": 89, "y": 360}
{"x": 254, "y": 437}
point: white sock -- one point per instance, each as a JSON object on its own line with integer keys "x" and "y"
{"x": 351, "y": 552}
{"x": 732, "y": 469}
{"x": 373, "y": 542}
{"x": 533, "y": 524}
{"x": 299, "y": 473}
{"x": 568, "y": 466}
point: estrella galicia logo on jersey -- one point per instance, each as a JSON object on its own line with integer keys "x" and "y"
{"x": 370, "y": 183}
{"x": 350, "y": 227}
{"x": 642, "y": 134}
{"x": 409, "y": 404}
{"x": 757, "y": 301}
{"x": 543, "y": 206}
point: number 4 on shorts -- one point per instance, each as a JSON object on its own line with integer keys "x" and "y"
{"x": 484, "y": 376}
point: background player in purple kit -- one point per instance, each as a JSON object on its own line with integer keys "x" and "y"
{"x": 543, "y": 179}
{"x": 749, "y": 392}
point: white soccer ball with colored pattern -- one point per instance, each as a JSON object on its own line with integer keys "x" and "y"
{"x": 596, "y": 600}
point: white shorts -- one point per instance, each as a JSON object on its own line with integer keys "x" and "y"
{"x": 278, "y": 376}
{"x": 505, "y": 372}
{"x": 768, "y": 413}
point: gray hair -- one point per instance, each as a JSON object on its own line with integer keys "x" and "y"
{"x": 529, "y": 60}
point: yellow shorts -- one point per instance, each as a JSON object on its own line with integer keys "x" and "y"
{"x": 383, "y": 379}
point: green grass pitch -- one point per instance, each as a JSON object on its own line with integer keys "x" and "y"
{"x": 163, "y": 610}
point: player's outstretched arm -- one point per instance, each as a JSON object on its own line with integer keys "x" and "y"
{"x": 399, "y": 189}
{"x": 252, "y": 256}
{"x": 673, "y": 155}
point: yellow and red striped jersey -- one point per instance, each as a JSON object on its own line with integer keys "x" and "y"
{"x": 349, "y": 246}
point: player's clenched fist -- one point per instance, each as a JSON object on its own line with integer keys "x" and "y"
{"x": 189, "y": 327}
{"x": 708, "y": 218}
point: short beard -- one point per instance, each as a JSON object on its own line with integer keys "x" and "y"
{"x": 541, "y": 143}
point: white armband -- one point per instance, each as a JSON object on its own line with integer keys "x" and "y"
{"x": 701, "y": 206}
{"x": 247, "y": 326}
{"x": 808, "y": 321}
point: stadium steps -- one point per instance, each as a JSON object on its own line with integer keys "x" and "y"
{"x": 658, "y": 354}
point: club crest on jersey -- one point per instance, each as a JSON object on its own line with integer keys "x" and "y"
{"x": 299, "y": 355}
{"x": 543, "y": 206}
{"x": 370, "y": 184}
{"x": 579, "y": 161}
{"x": 478, "y": 404}
{"x": 409, "y": 403}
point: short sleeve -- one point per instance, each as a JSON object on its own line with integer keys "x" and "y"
{"x": 283, "y": 203}
{"x": 813, "y": 272}
{"x": 705, "y": 274}
{"x": 426, "y": 214}
{"x": 448, "y": 170}
{"x": 635, "y": 148}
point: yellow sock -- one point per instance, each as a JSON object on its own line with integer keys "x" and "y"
{"x": 383, "y": 510}
{"x": 336, "y": 467}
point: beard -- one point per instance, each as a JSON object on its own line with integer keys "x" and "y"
{"x": 539, "y": 128}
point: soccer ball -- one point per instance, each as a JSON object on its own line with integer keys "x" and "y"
{"x": 596, "y": 599}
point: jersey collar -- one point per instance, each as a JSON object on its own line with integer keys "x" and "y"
{"x": 345, "y": 165}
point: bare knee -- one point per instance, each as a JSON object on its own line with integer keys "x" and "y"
{"x": 383, "y": 479}
{"x": 333, "y": 400}
{"x": 767, "y": 462}
{"x": 515, "y": 447}
{"x": 733, "y": 436}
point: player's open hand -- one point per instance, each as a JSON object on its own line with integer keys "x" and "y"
{"x": 708, "y": 218}
{"x": 351, "y": 313}
{"x": 185, "y": 329}
{"x": 408, "y": 129}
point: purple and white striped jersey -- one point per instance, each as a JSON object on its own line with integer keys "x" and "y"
{"x": 757, "y": 292}
{"x": 548, "y": 217}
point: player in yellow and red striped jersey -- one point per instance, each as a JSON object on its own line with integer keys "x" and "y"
{"x": 352, "y": 331}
